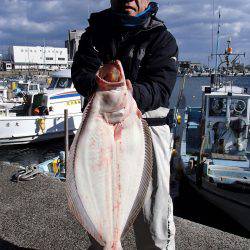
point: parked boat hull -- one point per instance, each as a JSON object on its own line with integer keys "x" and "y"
{"x": 27, "y": 129}
{"x": 237, "y": 205}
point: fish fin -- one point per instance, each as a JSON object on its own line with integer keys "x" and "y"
{"x": 146, "y": 178}
{"x": 74, "y": 201}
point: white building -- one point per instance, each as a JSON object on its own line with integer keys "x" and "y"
{"x": 50, "y": 58}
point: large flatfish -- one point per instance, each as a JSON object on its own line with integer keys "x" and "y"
{"x": 110, "y": 163}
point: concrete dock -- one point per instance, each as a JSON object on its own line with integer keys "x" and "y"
{"x": 34, "y": 215}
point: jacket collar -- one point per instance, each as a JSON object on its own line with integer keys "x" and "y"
{"x": 108, "y": 20}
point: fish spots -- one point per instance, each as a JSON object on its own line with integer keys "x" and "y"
{"x": 104, "y": 159}
{"x": 118, "y": 131}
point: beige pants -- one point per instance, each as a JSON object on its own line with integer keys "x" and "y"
{"x": 154, "y": 227}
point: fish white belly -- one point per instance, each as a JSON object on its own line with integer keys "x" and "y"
{"x": 107, "y": 175}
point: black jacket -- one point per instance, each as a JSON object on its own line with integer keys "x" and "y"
{"x": 148, "y": 56}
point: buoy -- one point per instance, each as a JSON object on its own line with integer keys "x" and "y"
{"x": 178, "y": 118}
{"x": 230, "y": 50}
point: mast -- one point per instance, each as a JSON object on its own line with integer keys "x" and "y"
{"x": 223, "y": 57}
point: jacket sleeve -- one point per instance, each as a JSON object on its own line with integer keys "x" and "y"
{"x": 85, "y": 65}
{"x": 157, "y": 75}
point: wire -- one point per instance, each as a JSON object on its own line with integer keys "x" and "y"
{"x": 217, "y": 43}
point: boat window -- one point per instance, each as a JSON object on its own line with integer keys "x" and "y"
{"x": 60, "y": 83}
{"x": 217, "y": 106}
{"x": 33, "y": 87}
{"x": 238, "y": 107}
{"x": 23, "y": 87}
{"x": 64, "y": 83}
{"x": 53, "y": 83}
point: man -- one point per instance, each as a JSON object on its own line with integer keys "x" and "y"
{"x": 130, "y": 32}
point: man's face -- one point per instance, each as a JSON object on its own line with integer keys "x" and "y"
{"x": 129, "y": 7}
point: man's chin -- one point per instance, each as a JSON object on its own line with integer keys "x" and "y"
{"x": 129, "y": 12}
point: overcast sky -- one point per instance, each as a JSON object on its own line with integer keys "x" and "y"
{"x": 28, "y": 22}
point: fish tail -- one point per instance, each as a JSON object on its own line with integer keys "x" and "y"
{"x": 113, "y": 246}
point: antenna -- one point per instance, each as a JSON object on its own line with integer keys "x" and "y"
{"x": 88, "y": 9}
{"x": 213, "y": 6}
{"x": 217, "y": 47}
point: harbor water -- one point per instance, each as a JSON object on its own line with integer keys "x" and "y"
{"x": 193, "y": 86}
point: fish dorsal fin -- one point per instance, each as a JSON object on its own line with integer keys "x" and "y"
{"x": 146, "y": 178}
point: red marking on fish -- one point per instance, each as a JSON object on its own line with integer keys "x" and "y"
{"x": 118, "y": 132}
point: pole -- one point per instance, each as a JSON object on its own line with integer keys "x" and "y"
{"x": 218, "y": 41}
{"x": 213, "y": 6}
{"x": 66, "y": 133}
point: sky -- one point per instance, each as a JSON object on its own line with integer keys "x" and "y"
{"x": 33, "y": 22}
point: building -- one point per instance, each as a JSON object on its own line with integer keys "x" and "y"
{"x": 196, "y": 66}
{"x": 72, "y": 43}
{"x": 5, "y": 66}
{"x": 50, "y": 58}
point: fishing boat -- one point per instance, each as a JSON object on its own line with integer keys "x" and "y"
{"x": 13, "y": 93}
{"x": 215, "y": 146}
{"x": 41, "y": 116}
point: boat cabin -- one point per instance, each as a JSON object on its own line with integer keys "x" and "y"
{"x": 26, "y": 88}
{"x": 225, "y": 120}
{"x": 60, "y": 95}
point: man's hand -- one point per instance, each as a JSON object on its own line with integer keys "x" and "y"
{"x": 129, "y": 86}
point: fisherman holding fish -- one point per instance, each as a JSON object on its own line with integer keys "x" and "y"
{"x": 130, "y": 32}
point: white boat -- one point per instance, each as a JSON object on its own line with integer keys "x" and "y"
{"x": 215, "y": 148}
{"x": 42, "y": 115}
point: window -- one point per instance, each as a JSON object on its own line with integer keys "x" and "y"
{"x": 61, "y": 59}
{"x": 60, "y": 83}
{"x": 33, "y": 87}
{"x": 217, "y": 106}
{"x": 49, "y": 58}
